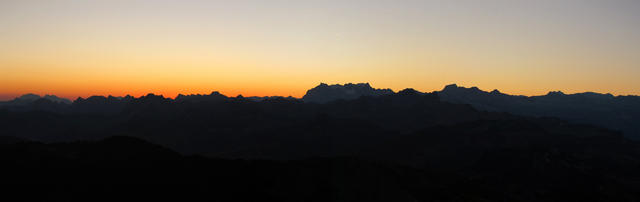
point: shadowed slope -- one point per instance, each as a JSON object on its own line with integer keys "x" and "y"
{"x": 615, "y": 112}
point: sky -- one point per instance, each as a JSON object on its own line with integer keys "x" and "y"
{"x": 257, "y": 48}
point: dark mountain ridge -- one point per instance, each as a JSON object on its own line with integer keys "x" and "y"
{"x": 404, "y": 146}
{"x": 615, "y": 112}
{"x": 239, "y": 127}
{"x": 324, "y": 93}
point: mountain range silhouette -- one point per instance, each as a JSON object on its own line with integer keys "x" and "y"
{"x": 620, "y": 113}
{"x": 324, "y": 93}
{"x": 338, "y": 143}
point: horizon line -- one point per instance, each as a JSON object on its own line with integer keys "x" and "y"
{"x": 14, "y": 96}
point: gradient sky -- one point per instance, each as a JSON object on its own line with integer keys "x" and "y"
{"x": 119, "y": 47}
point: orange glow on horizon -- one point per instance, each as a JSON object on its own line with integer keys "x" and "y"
{"x": 249, "y": 47}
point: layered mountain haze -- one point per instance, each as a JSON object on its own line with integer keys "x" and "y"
{"x": 338, "y": 143}
{"x": 253, "y": 100}
{"x": 616, "y": 112}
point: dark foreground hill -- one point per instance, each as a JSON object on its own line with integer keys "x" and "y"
{"x": 125, "y": 167}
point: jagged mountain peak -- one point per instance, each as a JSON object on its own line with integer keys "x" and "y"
{"x": 326, "y": 93}
{"x": 30, "y": 97}
{"x": 450, "y": 87}
{"x": 409, "y": 91}
{"x": 555, "y": 93}
{"x": 453, "y": 89}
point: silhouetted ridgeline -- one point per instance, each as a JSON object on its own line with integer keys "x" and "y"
{"x": 375, "y": 146}
{"x": 616, "y": 112}
{"x": 324, "y": 93}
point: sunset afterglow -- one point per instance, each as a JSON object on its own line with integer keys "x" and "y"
{"x": 259, "y": 48}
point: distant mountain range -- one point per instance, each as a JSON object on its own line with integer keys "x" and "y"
{"x": 394, "y": 127}
{"x": 363, "y": 144}
{"x": 324, "y": 93}
{"x": 615, "y": 112}
{"x": 30, "y": 98}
